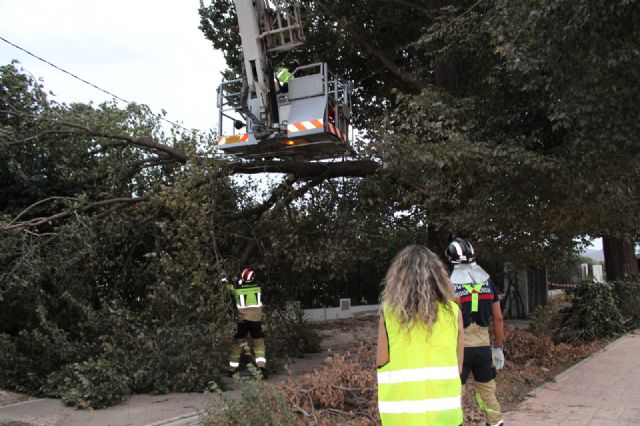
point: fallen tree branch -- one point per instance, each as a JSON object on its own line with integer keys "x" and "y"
{"x": 63, "y": 215}
{"x": 144, "y": 142}
{"x": 307, "y": 170}
{"x": 255, "y": 213}
{"x": 37, "y": 203}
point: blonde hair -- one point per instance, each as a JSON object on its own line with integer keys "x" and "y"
{"x": 415, "y": 282}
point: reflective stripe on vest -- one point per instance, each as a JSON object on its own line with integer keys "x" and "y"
{"x": 249, "y": 297}
{"x": 283, "y": 75}
{"x": 474, "y": 291}
{"x": 418, "y": 374}
{"x": 420, "y": 384}
{"x": 434, "y": 404}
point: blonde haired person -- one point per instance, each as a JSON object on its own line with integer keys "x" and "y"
{"x": 420, "y": 343}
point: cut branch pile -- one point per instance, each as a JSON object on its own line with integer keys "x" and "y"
{"x": 342, "y": 392}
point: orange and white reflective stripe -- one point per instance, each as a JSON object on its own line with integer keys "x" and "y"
{"x": 233, "y": 139}
{"x": 305, "y": 125}
{"x": 333, "y": 129}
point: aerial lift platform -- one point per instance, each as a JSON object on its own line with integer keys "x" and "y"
{"x": 309, "y": 117}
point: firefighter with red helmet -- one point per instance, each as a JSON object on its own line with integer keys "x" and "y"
{"x": 247, "y": 296}
{"x": 480, "y": 305}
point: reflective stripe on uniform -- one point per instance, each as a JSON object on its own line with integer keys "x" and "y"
{"x": 419, "y": 406}
{"x": 249, "y": 297}
{"x": 261, "y": 359}
{"x": 418, "y": 374}
{"x": 234, "y": 364}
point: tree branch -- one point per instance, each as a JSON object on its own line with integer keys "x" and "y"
{"x": 428, "y": 13}
{"x": 376, "y": 52}
{"x": 144, "y": 142}
{"x": 63, "y": 215}
{"x": 309, "y": 170}
{"x": 37, "y": 203}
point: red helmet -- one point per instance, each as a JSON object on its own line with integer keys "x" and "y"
{"x": 248, "y": 275}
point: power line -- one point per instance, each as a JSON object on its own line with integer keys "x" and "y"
{"x": 83, "y": 80}
{"x": 219, "y": 154}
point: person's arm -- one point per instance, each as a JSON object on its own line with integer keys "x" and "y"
{"x": 460, "y": 341}
{"x": 498, "y": 324}
{"x": 382, "y": 354}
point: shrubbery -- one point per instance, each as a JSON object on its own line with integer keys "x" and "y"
{"x": 89, "y": 384}
{"x": 596, "y": 312}
{"x": 259, "y": 404}
{"x": 627, "y": 294}
{"x": 288, "y": 335}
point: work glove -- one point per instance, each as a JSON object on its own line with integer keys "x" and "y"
{"x": 498, "y": 357}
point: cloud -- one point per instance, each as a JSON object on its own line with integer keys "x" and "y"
{"x": 142, "y": 50}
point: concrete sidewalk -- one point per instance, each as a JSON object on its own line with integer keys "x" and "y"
{"x": 177, "y": 409}
{"x": 602, "y": 390}
{"x": 138, "y": 410}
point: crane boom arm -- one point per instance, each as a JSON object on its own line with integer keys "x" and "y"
{"x": 256, "y": 61}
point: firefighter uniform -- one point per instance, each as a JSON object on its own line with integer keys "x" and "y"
{"x": 248, "y": 300}
{"x": 476, "y": 295}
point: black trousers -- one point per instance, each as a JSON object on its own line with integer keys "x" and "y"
{"x": 249, "y": 327}
{"x": 479, "y": 362}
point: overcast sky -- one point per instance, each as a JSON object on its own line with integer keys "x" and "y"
{"x": 146, "y": 51}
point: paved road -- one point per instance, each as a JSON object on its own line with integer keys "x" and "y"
{"x": 602, "y": 390}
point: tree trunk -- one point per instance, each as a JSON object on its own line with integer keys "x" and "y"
{"x": 619, "y": 258}
{"x": 438, "y": 240}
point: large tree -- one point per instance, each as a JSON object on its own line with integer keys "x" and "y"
{"x": 509, "y": 122}
{"x": 114, "y": 234}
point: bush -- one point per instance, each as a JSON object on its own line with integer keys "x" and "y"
{"x": 593, "y": 314}
{"x": 89, "y": 384}
{"x": 289, "y": 335}
{"x": 627, "y": 295}
{"x": 544, "y": 321}
{"x": 175, "y": 359}
{"x": 260, "y": 404}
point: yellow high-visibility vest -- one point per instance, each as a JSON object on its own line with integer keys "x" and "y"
{"x": 247, "y": 297}
{"x": 420, "y": 385}
{"x": 283, "y": 75}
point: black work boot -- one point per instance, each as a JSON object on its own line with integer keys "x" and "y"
{"x": 265, "y": 372}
